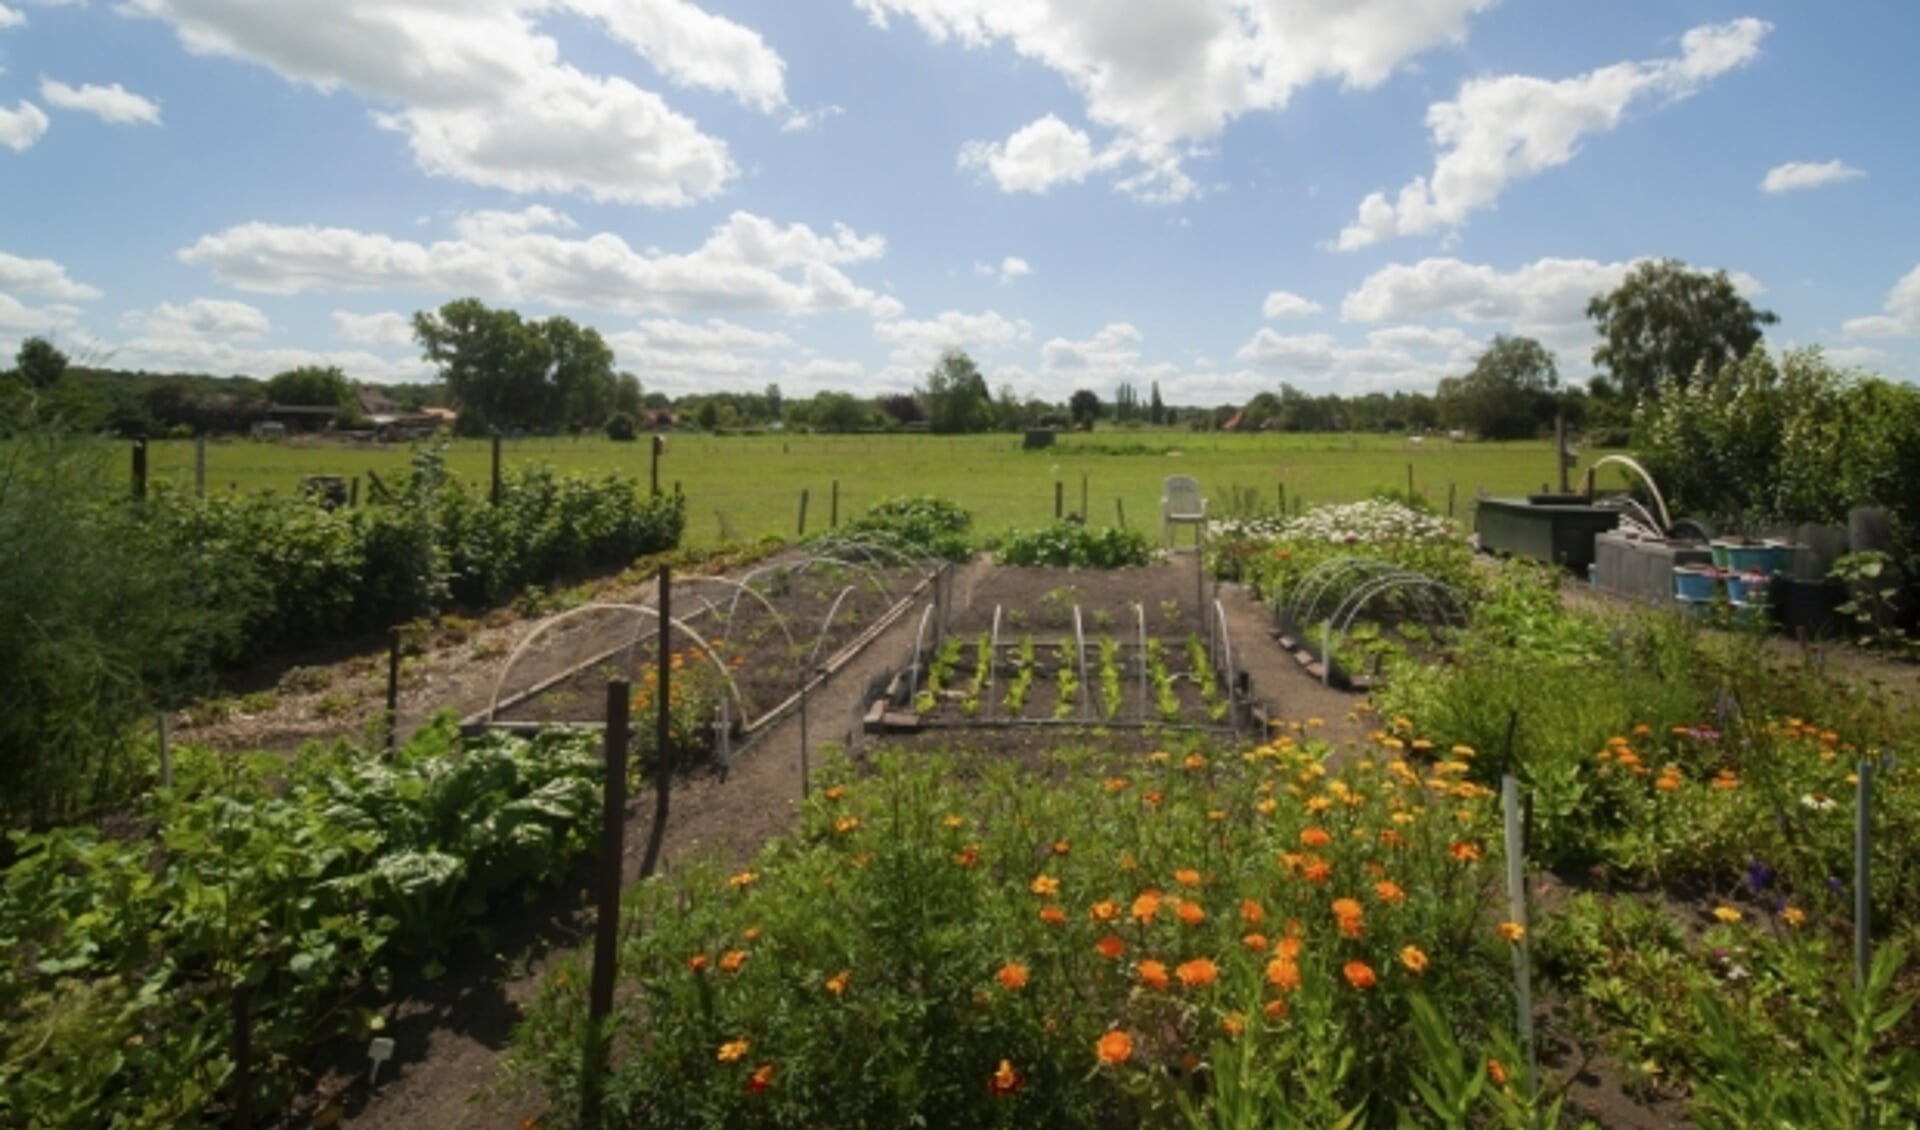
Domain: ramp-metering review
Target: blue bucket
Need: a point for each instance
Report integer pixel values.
(1693, 582)
(1747, 588)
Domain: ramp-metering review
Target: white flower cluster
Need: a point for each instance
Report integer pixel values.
(1369, 521)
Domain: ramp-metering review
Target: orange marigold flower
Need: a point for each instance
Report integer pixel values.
(1347, 908)
(1465, 852)
(1152, 974)
(1255, 942)
(1053, 916)
(1111, 947)
(1146, 907)
(1004, 1080)
(743, 879)
(1252, 913)
(1389, 892)
(1283, 975)
(1195, 761)
(1012, 976)
(1727, 779)
(1497, 1072)
(699, 962)
(1512, 931)
(1316, 871)
(1106, 910)
(1413, 958)
(1275, 1009)
(1266, 806)
(1315, 837)
(733, 1051)
(1390, 837)
(1289, 947)
(1152, 799)
(956, 821)
(1115, 1047)
(1198, 973)
(846, 824)
(1192, 913)
(761, 1079)
(1060, 847)
(1187, 877)
(837, 984)
(968, 855)
(1358, 974)
(1045, 885)
(1726, 914)
(1794, 916)
(732, 960)
(1233, 1023)
(1117, 784)
(751, 933)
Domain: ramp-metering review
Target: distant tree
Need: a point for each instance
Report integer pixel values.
(39, 364)
(1156, 408)
(1667, 322)
(312, 386)
(1511, 387)
(957, 396)
(1008, 413)
(579, 379)
(495, 365)
(902, 407)
(707, 418)
(775, 401)
(1084, 408)
(620, 428)
(626, 395)
(838, 412)
(1260, 413)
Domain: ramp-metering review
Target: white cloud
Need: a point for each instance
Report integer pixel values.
(1855, 356)
(1900, 315)
(1422, 339)
(1164, 74)
(200, 318)
(17, 319)
(746, 263)
(11, 18)
(42, 278)
(184, 353)
(714, 333)
(114, 104)
(1037, 157)
(1116, 346)
(1010, 269)
(676, 357)
(1796, 175)
(1510, 127)
(387, 328)
(1286, 304)
(483, 97)
(21, 127)
(919, 343)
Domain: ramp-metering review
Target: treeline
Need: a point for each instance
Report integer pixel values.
(1664, 324)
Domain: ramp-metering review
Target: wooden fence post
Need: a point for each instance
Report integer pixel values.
(606, 927)
(496, 469)
(803, 511)
(663, 729)
(139, 470)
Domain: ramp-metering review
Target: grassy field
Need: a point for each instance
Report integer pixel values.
(751, 485)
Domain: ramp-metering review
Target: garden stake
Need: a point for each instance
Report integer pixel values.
(606, 926)
(1862, 866)
(393, 693)
(663, 723)
(1517, 912)
(833, 508)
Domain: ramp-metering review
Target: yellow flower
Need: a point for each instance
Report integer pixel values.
(1512, 931)
(836, 792)
(837, 984)
(956, 821)
(1233, 1023)
(733, 1051)
(1187, 877)
(1726, 914)
(732, 960)
(1413, 959)
(1044, 885)
(743, 879)
(846, 824)
(1060, 847)
(1794, 916)
(1106, 910)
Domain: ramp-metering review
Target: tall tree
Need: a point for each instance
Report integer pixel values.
(1667, 322)
(494, 364)
(39, 363)
(957, 396)
(1156, 408)
(580, 381)
(1084, 408)
(1510, 388)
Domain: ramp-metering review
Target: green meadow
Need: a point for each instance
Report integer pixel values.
(750, 486)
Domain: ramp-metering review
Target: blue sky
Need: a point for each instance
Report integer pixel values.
(1218, 195)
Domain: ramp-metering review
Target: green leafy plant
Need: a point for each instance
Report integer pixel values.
(1070, 545)
(1067, 677)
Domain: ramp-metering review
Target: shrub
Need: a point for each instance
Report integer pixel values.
(620, 428)
(919, 524)
(1071, 545)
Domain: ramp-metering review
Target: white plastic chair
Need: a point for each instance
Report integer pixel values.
(1182, 504)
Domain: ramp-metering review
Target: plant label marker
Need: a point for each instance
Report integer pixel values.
(1517, 912)
(379, 1051)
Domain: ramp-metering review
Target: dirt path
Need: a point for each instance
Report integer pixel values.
(449, 1042)
(1277, 678)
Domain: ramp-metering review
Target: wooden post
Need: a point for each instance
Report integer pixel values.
(1120, 511)
(1560, 448)
(1083, 497)
(139, 470)
(242, 1061)
(1059, 500)
(606, 926)
(353, 492)
(1409, 482)
(1450, 494)
(833, 508)
(803, 511)
(200, 466)
(393, 692)
(663, 729)
(1589, 484)
(659, 445)
(496, 469)
(1280, 490)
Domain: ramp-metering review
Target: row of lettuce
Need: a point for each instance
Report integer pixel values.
(308, 885)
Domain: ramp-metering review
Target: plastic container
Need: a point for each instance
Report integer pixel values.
(1780, 557)
(1742, 557)
(1747, 588)
(1694, 582)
